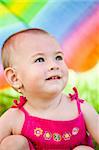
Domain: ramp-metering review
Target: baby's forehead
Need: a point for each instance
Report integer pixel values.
(36, 38)
(19, 39)
(30, 41)
(26, 37)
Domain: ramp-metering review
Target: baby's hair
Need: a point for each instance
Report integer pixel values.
(8, 46)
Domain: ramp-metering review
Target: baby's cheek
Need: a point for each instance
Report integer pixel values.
(66, 74)
(65, 71)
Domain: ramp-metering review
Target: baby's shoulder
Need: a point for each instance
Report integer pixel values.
(88, 111)
(12, 112)
(11, 121)
(86, 107)
(12, 116)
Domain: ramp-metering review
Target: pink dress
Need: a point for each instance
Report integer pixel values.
(44, 134)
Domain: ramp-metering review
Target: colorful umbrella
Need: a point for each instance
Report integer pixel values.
(75, 24)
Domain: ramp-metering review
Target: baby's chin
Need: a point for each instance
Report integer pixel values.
(54, 89)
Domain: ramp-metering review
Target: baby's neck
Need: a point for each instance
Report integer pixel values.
(42, 105)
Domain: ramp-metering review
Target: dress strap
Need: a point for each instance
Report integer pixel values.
(19, 105)
(75, 97)
(21, 102)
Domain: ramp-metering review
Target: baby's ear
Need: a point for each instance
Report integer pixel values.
(11, 77)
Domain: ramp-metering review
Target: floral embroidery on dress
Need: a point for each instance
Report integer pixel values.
(75, 131)
(57, 137)
(47, 135)
(38, 132)
(66, 136)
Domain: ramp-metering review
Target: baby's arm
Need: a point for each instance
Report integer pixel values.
(82, 147)
(6, 121)
(15, 142)
(91, 120)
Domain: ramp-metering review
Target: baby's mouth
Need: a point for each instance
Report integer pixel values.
(54, 78)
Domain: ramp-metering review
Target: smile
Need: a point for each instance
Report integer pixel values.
(54, 78)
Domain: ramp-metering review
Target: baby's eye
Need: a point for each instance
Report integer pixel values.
(41, 59)
(59, 57)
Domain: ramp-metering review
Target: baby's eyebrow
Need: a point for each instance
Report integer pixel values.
(42, 54)
(37, 54)
(59, 52)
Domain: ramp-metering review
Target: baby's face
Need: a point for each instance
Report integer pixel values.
(40, 65)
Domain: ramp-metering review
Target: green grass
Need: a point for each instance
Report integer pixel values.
(6, 99)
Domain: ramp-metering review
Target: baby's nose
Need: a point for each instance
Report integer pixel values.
(53, 66)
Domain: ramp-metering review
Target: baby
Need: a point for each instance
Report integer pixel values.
(44, 118)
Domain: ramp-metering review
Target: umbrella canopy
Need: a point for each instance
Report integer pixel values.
(75, 24)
